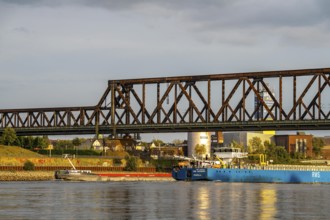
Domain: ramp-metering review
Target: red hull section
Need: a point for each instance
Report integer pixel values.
(136, 174)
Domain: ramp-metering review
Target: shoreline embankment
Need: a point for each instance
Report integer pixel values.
(26, 175)
(110, 176)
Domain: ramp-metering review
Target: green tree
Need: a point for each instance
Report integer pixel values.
(318, 144)
(235, 144)
(76, 142)
(63, 144)
(200, 149)
(282, 155)
(28, 142)
(8, 136)
(270, 148)
(131, 163)
(39, 142)
(268, 144)
(256, 146)
(19, 141)
(276, 153)
(46, 140)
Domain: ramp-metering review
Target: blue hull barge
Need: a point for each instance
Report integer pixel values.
(267, 174)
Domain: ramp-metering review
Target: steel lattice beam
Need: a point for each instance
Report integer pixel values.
(298, 100)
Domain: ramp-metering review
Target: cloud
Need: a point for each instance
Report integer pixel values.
(160, 37)
(244, 23)
(241, 23)
(213, 13)
(23, 30)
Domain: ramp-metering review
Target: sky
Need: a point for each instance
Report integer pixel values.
(62, 53)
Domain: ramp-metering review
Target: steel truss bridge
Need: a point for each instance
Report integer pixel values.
(297, 100)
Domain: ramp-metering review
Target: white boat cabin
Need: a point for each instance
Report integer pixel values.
(229, 153)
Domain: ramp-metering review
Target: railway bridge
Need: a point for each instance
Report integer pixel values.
(251, 101)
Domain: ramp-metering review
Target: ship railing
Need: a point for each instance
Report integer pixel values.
(275, 167)
(291, 167)
(283, 167)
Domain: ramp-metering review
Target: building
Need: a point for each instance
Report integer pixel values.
(165, 151)
(243, 138)
(199, 138)
(121, 144)
(267, 99)
(217, 140)
(300, 143)
(262, 112)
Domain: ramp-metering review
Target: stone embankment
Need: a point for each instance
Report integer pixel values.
(26, 175)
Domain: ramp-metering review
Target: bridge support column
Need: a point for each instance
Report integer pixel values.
(113, 110)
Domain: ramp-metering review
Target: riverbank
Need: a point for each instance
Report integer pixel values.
(26, 175)
(115, 176)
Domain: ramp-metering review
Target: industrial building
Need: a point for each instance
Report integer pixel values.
(300, 143)
(199, 138)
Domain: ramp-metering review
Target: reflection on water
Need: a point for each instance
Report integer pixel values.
(203, 202)
(267, 202)
(162, 200)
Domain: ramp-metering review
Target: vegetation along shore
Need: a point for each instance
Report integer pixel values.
(26, 175)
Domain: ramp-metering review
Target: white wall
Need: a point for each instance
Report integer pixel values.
(200, 138)
(244, 137)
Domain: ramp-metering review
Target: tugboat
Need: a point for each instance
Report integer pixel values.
(76, 175)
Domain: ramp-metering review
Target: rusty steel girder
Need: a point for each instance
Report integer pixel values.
(276, 100)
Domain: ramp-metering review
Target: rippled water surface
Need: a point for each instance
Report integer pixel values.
(163, 200)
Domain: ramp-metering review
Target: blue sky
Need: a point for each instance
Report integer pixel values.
(61, 53)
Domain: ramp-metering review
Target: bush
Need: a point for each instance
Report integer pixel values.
(131, 164)
(8, 136)
(117, 161)
(28, 165)
(164, 165)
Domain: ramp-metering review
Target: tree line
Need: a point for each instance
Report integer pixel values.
(9, 138)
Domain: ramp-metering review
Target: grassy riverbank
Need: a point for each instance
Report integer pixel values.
(13, 159)
(13, 151)
(26, 175)
(17, 156)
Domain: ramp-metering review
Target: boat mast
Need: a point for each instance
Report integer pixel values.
(66, 156)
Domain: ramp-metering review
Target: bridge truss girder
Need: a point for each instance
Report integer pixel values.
(297, 100)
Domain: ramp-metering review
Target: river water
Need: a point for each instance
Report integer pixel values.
(163, 200)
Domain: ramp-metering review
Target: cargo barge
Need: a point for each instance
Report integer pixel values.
(224, 170)
(269, 174)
